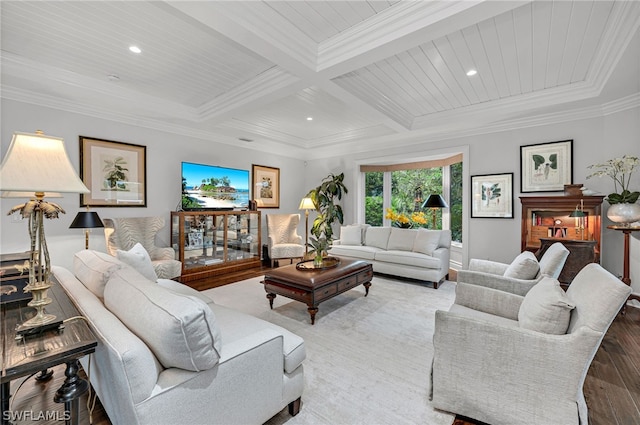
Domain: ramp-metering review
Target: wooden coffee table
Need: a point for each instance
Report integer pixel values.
(315, 286)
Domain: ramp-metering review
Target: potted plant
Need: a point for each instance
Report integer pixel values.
(623, 209)
(324, 198)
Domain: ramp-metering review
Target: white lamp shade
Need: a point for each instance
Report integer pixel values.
(9, 194)
(307, 204)
(38, 163)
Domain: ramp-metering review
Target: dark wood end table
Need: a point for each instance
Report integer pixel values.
(315, 286)
(30, 355)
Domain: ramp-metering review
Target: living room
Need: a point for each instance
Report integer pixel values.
(601, 114)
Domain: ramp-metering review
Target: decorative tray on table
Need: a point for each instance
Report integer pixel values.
(327, 263)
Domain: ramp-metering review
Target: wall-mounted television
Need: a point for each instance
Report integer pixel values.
(210, 187)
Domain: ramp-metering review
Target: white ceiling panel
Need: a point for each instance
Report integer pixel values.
(364, 70)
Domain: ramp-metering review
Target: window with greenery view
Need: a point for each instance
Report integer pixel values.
(409, 189)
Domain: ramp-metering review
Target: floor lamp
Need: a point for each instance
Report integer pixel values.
(38, 164)
(434, 201)
(86, 220)
(306, 204)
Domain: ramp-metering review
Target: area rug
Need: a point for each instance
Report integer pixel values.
(368, 358)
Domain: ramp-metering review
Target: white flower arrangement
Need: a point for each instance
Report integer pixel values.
(620, 171)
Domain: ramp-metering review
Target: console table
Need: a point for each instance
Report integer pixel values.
(29, 355)
(625, 268)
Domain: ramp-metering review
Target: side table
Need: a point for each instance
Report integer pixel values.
(626, 231)
(33, 354)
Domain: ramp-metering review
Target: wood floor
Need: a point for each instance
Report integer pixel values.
(612, 386)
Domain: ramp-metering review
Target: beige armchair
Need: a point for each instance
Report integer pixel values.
(283, 241)
(490, 364)
(500, 276)
(124, 233)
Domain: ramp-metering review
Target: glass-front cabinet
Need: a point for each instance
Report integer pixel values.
(214, 242)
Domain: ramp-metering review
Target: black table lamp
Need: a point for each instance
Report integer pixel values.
(86, 220)
(434, 201)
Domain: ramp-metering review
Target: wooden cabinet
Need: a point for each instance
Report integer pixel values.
(546, 220)
(210, 243)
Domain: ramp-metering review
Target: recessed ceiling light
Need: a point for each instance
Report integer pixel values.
(309, 118)
(135, 49)
(471, 72)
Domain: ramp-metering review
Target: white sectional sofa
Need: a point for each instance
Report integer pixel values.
(168, 354)
(412, 253)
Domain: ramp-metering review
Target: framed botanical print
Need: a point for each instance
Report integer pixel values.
(546, 167)
(492, 196)
(266, 186)
(114, 172)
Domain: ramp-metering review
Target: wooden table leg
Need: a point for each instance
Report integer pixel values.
(366, 288)
(70, 392)
(312, 312)
(271, 297)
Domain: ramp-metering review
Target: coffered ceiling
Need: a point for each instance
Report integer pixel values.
(365, 71)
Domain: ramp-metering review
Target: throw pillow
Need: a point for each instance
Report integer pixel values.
(350, 235)
(524, 266)
(377, 236)
(546, 308)
(401, 239)
(138, 258)
(426, 241)
(94, 269)
(180, 329)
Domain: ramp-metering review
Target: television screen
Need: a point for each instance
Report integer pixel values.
(213, 187)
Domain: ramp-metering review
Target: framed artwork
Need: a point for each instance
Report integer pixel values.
(546, 167)
(266, 186)
(492, 196)
(114, 172)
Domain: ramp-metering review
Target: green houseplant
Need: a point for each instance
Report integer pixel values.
(324, 198)
(623, 209)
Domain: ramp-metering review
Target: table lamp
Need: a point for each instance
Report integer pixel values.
(86, 220)
(579, 216)
(38, 164)
(306, 204)
(434, 201)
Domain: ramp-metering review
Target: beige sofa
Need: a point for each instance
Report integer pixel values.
(168, 354)
(420, 254)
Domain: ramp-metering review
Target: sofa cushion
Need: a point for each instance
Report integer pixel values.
(546, 308)
(401, 239)
(408, 258)
(94, 269)
(350, 235)
(524, 266)
(138, 258)
(427, 241)
(238, 325)
(357, 251)
(377, 236)
(180, 329)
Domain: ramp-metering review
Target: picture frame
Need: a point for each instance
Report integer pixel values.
(114, 172)
(492, 196)
(265, 182)
(546, 167)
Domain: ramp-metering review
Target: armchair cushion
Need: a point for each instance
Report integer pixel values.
(553, 259)
(94, 269)
(546, 308)
(524, 266)
(138, 258)
(180, 329)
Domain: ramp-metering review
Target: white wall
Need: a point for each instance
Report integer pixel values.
(594, 140)
(165, 151)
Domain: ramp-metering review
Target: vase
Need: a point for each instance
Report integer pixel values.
(624, 214)
(317, 261)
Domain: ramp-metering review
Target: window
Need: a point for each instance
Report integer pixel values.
(400, 189)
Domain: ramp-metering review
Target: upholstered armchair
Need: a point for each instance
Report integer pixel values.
(283, 241)
(519, 276)
(124, 233)
(501, 358)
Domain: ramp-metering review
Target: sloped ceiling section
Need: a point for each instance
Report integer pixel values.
(364, 71)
